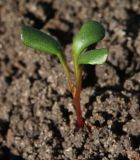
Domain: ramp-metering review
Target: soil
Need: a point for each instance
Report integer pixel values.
(37, 119)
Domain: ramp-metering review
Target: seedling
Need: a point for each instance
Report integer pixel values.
(90, 33)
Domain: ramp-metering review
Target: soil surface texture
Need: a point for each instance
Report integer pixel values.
(37, 118)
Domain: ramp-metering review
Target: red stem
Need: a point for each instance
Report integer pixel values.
(76, 99)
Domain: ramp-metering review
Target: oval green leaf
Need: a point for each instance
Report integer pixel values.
(93, 57)
(41, 41)
(90, 33)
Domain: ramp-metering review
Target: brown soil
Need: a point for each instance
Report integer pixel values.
(37, 119)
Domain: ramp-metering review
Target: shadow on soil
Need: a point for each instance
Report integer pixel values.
(5, 154)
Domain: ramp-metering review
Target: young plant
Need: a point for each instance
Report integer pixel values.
(90, 33)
